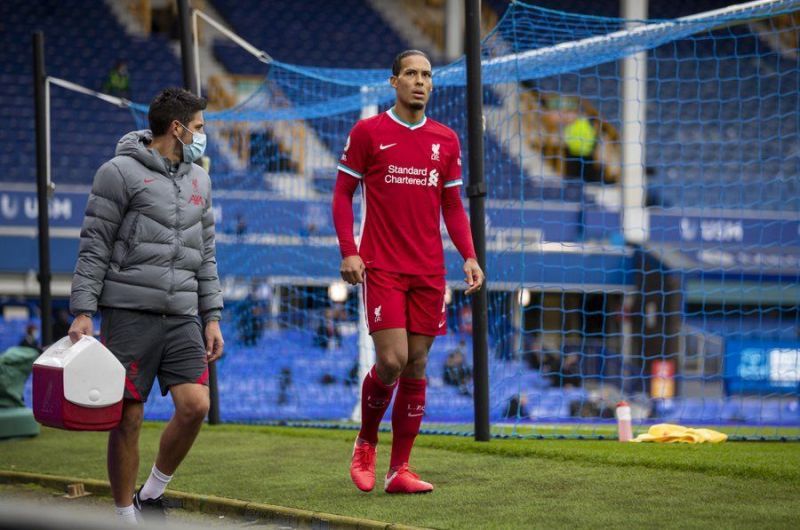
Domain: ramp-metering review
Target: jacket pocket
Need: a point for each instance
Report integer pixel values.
(130, 241)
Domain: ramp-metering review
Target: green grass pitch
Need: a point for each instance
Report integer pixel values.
(499, 484)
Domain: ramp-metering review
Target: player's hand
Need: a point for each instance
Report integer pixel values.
(214, 342)
(352, 270)
(82, 325)
(474, 277)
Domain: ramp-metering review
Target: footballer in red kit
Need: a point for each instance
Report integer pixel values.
(409, 169)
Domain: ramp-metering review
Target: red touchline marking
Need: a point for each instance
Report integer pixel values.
(148, 181)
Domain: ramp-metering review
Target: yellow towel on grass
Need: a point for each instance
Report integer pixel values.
(668, 433)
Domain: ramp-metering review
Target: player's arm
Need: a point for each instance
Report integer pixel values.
(352, 268)
(108, 202)
(209, 290)
(351, 169)
(455, 219)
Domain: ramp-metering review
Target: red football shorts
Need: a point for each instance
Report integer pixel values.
(412, 302)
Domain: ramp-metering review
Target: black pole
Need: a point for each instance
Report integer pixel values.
(187, 47)
(190, 83)
(39, 95)
(476, 191)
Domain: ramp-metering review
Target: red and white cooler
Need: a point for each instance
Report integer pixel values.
(78, 386)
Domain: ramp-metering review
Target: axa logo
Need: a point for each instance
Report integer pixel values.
(435, 151)
(377, 313)
(433, 179)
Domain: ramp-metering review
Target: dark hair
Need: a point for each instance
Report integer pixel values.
(402, 55)
(173, 104)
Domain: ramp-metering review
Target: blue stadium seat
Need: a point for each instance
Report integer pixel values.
(710, 101)
(343, 24)
(73, 30)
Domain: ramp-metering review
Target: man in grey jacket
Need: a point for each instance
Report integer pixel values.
(147, 263)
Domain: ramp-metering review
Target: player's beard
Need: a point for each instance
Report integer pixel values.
(416, 105)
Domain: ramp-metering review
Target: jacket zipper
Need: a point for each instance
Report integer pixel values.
(175, 234)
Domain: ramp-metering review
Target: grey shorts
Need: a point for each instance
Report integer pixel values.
(149, 345)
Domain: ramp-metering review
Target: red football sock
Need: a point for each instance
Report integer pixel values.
(375, 399)
(409, 407)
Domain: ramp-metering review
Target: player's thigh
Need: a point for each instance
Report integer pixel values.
(418, 346)
(184, 360)
(391, 348)
(135, 338)
(427, 312)
(191, 399)
(384, 300)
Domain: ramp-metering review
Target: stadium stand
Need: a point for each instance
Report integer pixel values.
(295, 29)
(87, 129)
(700, 163)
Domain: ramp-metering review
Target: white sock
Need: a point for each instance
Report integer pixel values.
(126, 515)
(155, 485)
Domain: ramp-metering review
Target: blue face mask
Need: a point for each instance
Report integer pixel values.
(194, 150)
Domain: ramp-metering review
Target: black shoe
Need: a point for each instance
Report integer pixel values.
(151, 510)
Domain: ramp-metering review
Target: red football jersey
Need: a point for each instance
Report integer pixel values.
(403, 169)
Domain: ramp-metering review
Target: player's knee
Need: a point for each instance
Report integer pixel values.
(417, 365)
(193, 411)
(390, 369)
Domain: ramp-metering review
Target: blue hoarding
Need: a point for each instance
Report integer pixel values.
(536, 244)
(762, 367)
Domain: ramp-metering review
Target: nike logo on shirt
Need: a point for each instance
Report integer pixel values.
(387, 146)
(148, 181)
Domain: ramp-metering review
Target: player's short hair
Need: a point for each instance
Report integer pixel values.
(398, 60)
(173, 104)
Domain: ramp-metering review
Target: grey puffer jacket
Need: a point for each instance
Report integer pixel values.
(147, 240)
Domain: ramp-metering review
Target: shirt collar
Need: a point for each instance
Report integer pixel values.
(404, 123)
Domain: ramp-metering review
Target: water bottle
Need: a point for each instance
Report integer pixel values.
(624, 429)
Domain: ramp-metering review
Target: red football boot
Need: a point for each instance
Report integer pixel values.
(405, 481)
(362, 468)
